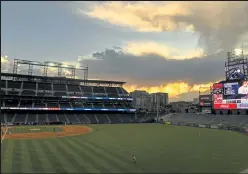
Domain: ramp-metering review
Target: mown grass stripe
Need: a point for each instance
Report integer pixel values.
(16, 157)
(46, 165)
(58, 158)
(26, 162)
(33, 155)
(4, 152)
(105, 158)
(52, 156)
(88, 157)
(118, 156)
(79, 162)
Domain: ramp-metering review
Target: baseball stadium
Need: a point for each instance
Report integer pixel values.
(68, 125)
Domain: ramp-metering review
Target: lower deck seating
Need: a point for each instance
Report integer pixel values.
(114, 118)
(83, 118)
(20, 118)
(92, 118)
(125, 118)
(102, 118)
(72, 118)
(42, 118)
(32, 118)
(52, 118)
(62, 118)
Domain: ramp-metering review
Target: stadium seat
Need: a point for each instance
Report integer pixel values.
(20, 118)
(29, 85)
(99, 89)
(14, 84)
(102, 118)
(86, 89)
(45, 86)
(74, 88)
(59, 87)
(42, 118)
(114, 118)
(83, 118)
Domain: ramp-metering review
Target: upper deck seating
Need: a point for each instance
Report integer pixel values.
(14, 84)
(87, 95)
(26, 103)
(86, 89)
(28, 93)
(99, 89)
(59, 87)
(111, 90)
(52, 105)
(87, 105)
(11, 103)
(97, 105)
(77, 94)
(74, 88)
(45, 86)
(113, 96)
(60, 94)
(13, 92)
(76, 104)
(64, 104)
(39, 105)
(109, 105)
(100, 95)
(29, 85)
(3, 92)
(3, 83)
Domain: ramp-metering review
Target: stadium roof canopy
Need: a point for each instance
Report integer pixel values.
(67, 80)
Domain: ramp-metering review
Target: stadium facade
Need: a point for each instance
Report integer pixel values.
(30, 99)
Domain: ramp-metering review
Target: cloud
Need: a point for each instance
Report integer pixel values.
(143, 48)
(155, 73)
(175, 89)
(152, 69)
(218, 24)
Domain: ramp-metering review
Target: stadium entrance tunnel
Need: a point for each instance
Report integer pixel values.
(35, 132)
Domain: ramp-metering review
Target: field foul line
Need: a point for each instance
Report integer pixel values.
(4, 134)
(244, 171)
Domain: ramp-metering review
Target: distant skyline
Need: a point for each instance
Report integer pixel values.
(173, 47)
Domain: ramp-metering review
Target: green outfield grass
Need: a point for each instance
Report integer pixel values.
(109, 149)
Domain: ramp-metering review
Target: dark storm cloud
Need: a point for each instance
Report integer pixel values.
(155, 70)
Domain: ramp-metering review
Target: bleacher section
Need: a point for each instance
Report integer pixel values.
(211, 119)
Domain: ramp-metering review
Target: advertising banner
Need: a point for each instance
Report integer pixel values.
(226, 106)
(74, 109)
(242, 105)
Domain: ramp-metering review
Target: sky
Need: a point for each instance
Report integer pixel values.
(175, 47)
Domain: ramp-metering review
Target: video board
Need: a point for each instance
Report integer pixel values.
(230, 95)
